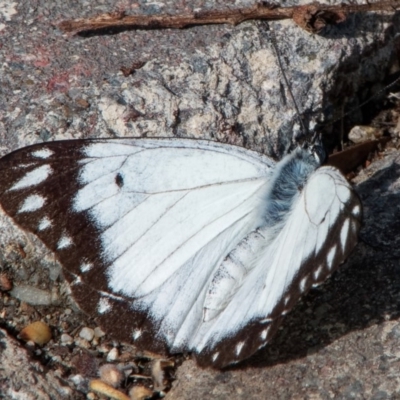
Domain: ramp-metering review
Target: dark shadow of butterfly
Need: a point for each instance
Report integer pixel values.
(184, 245)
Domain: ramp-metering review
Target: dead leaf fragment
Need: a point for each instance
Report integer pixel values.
(349, 159)
(312, 19)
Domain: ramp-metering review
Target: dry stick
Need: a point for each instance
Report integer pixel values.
(311, 17)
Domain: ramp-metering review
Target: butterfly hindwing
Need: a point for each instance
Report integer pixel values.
(317, 237)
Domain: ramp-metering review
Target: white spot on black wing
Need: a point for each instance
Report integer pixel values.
(262, 345)
(136, 334)
(331, 256)
(344, 233)
(104, 305)
(303, 284)
(356, 211)
(317, 273)
(44, 223)
(64, 242)
(287, 298)
(42, 153)
(32, 203)
(85, 267)
(23, 166)
(33, 178)
(77, 280)
(264, 333)
(239, 348)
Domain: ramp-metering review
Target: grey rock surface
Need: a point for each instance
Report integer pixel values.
(24, 379)
(221, 83)
(216, 82)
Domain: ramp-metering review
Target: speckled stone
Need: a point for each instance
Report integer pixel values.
(98, 332)
(28, 379)
(32, 295)
(112, 354)
(87, 334)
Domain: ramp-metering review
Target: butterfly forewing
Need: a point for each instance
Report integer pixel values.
(151, 232)
(58, 191)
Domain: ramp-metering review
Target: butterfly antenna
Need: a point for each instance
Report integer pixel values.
(275, 46)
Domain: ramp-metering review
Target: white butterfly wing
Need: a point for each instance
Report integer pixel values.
(158, 237)
(139, 225)
(320, 231)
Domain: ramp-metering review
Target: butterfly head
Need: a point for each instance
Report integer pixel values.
(316, 149)
(319, 153)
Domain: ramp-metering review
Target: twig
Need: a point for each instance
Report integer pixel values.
(312, 17)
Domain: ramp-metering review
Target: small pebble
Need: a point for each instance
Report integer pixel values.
(5, 282)
(103, 348)
(82, 103)
(25, 307)
(66, 339)
(37, 332)
(82, 343)
(32, 295)
(77, 380)
(55, 271)
(113, 354)
(98, 332)
(87, 334)
(111, 374)
(361, 134)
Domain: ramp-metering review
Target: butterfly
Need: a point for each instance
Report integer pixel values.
(182, 245)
